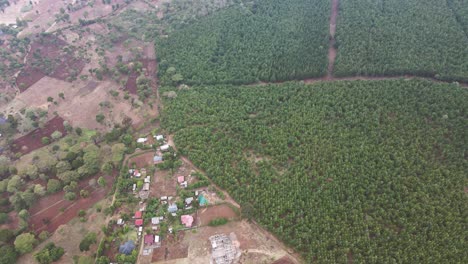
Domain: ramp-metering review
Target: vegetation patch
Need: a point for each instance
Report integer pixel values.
(354, 167)
(398, 37)
(245, 43)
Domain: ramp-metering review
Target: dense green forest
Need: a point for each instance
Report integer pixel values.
(396, 37)
(372, 171)
(269, 40)
(460, 10)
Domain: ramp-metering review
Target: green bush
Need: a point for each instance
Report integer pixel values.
(218, 221)
(87, 241)
(49, 254)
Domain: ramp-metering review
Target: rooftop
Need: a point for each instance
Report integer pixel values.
(139, 222)
(186, 220)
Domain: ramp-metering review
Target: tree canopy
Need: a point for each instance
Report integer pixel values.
(372, 169)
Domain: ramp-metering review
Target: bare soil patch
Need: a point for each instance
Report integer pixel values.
(255, 244)
(47, 57)
(284, 260)
(52, 211)
(32, 141)
(170, 252)
(163, 184)
(208, 214)
(149, 66)
(142, 161)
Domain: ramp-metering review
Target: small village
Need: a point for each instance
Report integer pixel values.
(159, 216)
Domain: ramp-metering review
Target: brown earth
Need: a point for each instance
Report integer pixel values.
(170, 252)
(205, 215)
(50, 207)
(62, 63)
(142, 161)
(284, 260)
(32, 141)
(163, 184)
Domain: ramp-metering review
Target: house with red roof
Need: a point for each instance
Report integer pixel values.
(138, 214)
(187, 220)
(180, 179)
(149, 240)
(139, 222)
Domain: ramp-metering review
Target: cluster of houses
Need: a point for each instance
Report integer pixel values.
(151, 241)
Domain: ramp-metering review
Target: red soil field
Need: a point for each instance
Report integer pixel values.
(49, 207)
(150, 66)
(48, 48)
(131, 85)
(32, 141)
(206, 215)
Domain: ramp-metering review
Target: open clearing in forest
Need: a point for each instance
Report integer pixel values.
(52, 211)
(32, 141)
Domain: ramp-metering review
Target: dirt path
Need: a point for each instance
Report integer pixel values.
(332, 41)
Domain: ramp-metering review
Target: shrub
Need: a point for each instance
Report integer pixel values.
(49, 254)
(70, 196)
(100, 118)
(45, 140)
(25, 243)
(218, 221)
(87, 241)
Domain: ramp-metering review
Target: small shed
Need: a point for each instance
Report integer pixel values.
(120, 221)
(189, 200)
(146, 187)
(142, 140)
(155, 220)
(180, 179)
(165, 147)
(172, 208)
(148, 179)
(159, 137)
(202, 200)
(157, 159)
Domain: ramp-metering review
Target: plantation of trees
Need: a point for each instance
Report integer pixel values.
(372, 171)
(397, 37)
(269, 40)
